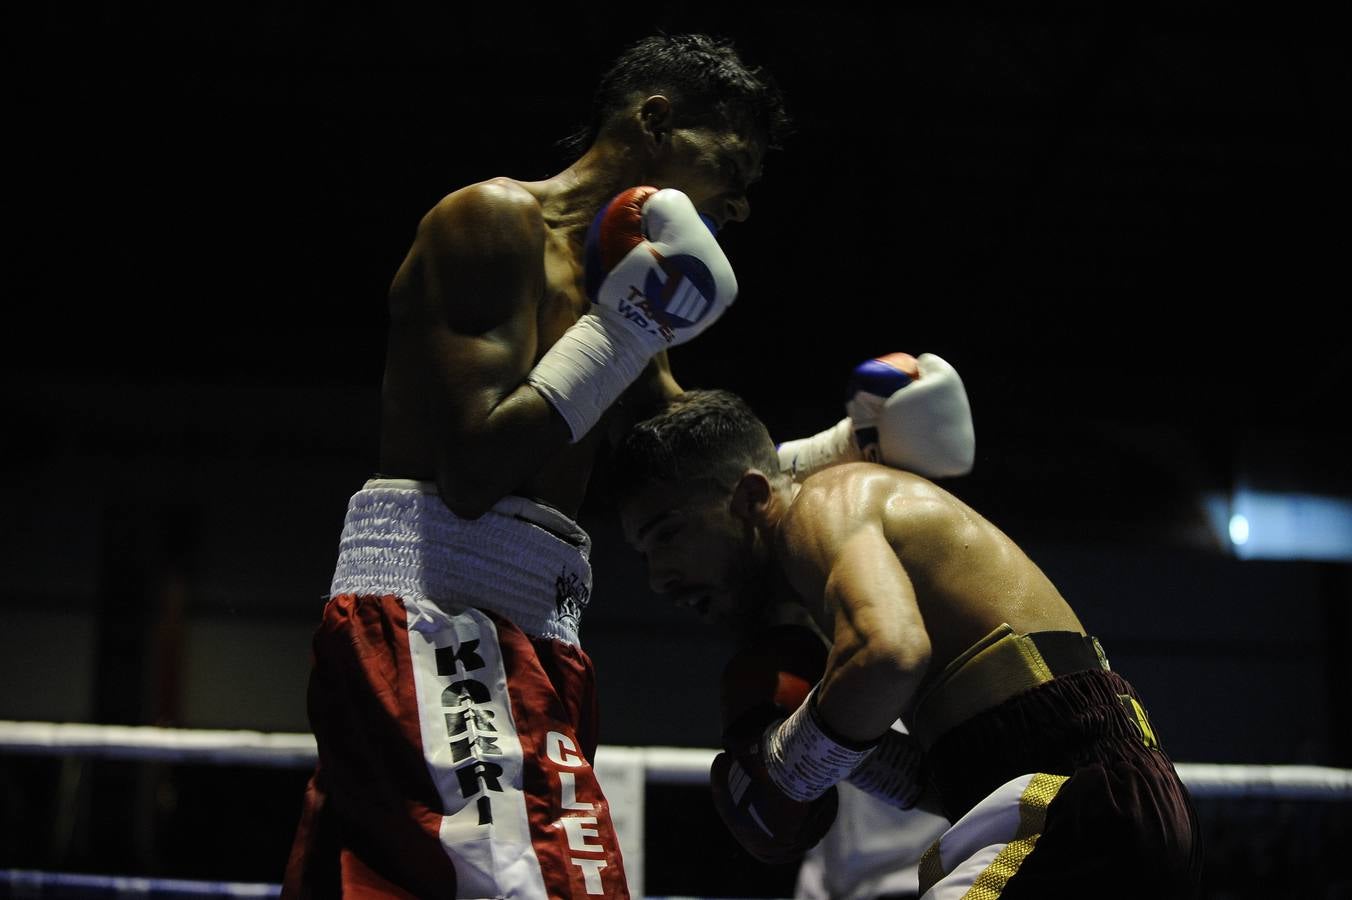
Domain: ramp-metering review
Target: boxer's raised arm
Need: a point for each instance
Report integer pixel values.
(501, 403)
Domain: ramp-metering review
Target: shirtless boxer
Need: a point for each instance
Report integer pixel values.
(1019, 733)
(452, 704)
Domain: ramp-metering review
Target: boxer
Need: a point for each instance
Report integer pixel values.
(450, 697)
(957, 675)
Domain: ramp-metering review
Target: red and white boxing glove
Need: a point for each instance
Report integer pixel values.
(764, 682)
(653, 265)
(762, 686)
(769, 825)
(769, 677)
(657, 278)
(906, 412)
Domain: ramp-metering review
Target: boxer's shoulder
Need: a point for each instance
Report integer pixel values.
(477, 259)
(836, 502)
(494, 216)
(857, 490)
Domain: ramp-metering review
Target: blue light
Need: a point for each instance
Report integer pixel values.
(1270, 525)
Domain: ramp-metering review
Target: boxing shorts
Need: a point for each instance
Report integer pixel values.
(1053, 776)
(454, 709)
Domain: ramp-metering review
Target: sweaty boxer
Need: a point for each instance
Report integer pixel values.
(953, 671)
(450, 697)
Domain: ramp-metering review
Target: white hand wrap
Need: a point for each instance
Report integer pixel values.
(804, 456)
(587, 369)
(892, 772)
(802, 759)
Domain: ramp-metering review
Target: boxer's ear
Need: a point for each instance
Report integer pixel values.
(751, 497)
(654, 117)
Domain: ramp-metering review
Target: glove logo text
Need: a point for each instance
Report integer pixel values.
(684, 289)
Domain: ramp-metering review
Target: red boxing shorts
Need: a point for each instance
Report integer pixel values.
(454, 710)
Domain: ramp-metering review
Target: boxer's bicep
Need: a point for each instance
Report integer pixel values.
(481, 264)
(483, 276)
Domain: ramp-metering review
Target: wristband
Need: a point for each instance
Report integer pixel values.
(892, 772)
(837, 444)
(587, 369)
(803, 760)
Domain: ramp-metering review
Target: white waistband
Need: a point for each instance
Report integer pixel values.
(523, 560)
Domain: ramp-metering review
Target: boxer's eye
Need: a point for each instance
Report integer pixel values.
(667, 532)
(733, 173)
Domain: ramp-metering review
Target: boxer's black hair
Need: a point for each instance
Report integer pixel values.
(704, 75)
(700, 439)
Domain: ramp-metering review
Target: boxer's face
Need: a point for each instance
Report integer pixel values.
(698, 553)
(714, 167)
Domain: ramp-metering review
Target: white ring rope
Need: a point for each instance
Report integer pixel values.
(661, 765)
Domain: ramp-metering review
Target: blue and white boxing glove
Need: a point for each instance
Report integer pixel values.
(906, 412)
(871, 384)
(657, 278)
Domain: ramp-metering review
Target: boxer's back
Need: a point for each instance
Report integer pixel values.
(968, 576)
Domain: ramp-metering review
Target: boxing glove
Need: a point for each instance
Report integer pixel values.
(657, 278)
(912, 413)
(654, 268)
(769, 677)
(764, 682)
(769, 825)
(906, 412)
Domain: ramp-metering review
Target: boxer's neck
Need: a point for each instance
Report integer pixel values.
(572, 197)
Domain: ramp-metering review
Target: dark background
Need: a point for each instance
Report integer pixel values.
(1126, 228)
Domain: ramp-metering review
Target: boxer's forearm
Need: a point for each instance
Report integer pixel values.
(492, 455)
(880, 649)
(866, 687)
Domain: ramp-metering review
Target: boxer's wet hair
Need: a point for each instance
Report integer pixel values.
(705, 76)
(700, 440)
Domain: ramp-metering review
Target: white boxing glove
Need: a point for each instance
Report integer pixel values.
(925, 425)
(657, 278)
(654, 266)
(872, 383)
(906, 412)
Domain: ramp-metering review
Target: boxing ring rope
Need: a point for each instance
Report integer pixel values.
(661, 765)
(624, 771)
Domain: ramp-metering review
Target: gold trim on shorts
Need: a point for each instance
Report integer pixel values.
(995, 668)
